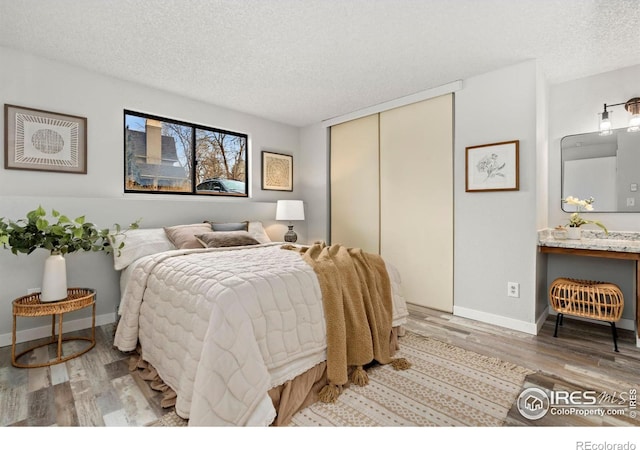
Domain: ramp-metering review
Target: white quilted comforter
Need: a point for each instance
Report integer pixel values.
(223, 326)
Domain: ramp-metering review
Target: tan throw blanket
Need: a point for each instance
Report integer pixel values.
(357, 303)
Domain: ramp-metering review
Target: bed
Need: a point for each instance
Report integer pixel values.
(237, 330)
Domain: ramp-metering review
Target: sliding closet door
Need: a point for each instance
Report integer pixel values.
(416, 203)
(355, 195)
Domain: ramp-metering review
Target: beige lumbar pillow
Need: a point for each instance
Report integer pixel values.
(184, 236)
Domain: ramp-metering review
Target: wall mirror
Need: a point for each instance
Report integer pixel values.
(605, 167)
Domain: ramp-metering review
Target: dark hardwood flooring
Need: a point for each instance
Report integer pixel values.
(98, 390)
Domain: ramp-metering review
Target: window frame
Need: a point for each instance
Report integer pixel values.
(194, 161)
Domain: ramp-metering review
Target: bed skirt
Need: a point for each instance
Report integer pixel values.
(288, 398)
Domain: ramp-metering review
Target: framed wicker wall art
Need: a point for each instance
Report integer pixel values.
(277, 172)
(43, 140)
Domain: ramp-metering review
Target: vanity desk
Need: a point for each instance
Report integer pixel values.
(615, 245)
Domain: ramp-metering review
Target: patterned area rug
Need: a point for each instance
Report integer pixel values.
(169, 420)
(445, 386)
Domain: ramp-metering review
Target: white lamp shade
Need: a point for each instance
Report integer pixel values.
(605, 121)
(290, 210)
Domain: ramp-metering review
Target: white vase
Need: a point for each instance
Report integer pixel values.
(54, 280)
(573, 233)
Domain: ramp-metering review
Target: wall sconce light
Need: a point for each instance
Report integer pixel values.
(631, 105)
(290, 210)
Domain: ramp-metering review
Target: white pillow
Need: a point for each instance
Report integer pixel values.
(257, 231)
(138, 243)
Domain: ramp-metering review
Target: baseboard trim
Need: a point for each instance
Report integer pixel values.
(492, 319)
(526, 327)
(419, 309)
(31, 334)
(501, 321)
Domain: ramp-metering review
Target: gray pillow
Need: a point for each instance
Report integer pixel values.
(230, 226)
(226, 239)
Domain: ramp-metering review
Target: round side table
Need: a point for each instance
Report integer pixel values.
(31, 306)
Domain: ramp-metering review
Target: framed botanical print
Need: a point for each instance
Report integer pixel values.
(492, 167)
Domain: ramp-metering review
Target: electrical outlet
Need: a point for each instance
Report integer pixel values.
(513, 289)
(33, 291)
(631, 201)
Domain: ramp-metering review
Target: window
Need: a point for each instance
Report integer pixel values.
(171, 157)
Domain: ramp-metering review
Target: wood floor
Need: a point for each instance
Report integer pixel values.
(97, 389)
(580, 359)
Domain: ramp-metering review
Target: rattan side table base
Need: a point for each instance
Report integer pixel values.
(31, 306)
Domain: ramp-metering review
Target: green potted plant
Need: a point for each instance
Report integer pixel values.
(59, 235)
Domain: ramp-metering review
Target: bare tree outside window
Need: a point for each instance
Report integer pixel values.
(220, 155)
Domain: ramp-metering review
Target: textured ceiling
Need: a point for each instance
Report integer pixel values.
(303, 61)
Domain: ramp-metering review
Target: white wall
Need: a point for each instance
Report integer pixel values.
(495, 232)
(573, 109)
(314, 164)
(39, 83)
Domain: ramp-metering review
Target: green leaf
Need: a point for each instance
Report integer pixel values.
(42, 224)
(79, 220)
(57, 230)
(32, 216)
(595, 222)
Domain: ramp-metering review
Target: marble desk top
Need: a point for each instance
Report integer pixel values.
(615, 241)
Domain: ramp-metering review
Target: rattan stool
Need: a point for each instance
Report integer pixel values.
(595, 300)
(31, 306)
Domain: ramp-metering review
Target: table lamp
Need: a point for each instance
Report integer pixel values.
(290, 210)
